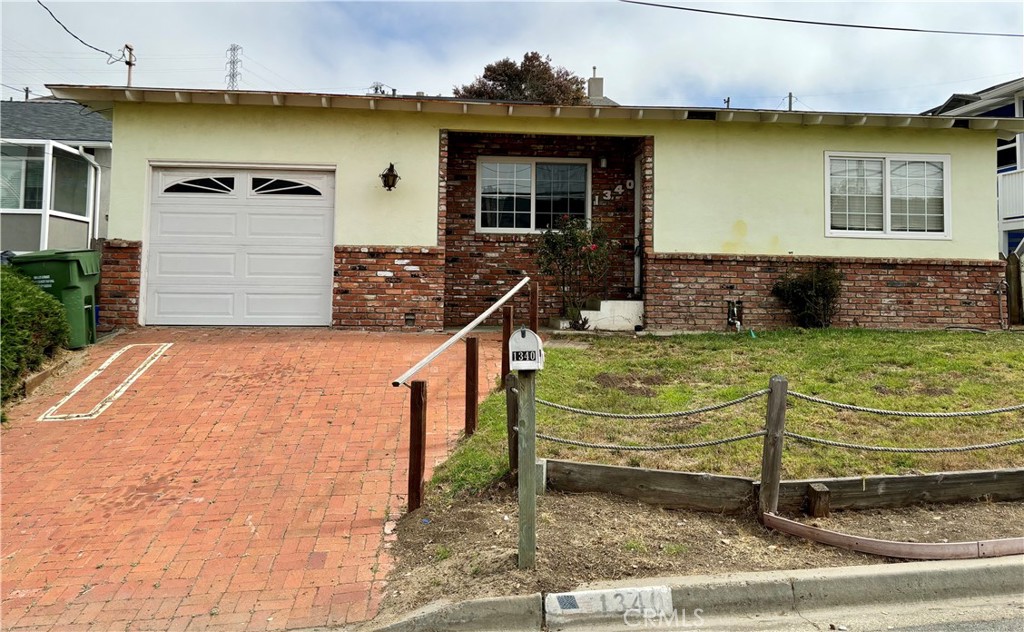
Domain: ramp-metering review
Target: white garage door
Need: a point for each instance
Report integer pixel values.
(240, 247)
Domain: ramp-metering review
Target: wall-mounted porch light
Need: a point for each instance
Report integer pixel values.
(389, 178)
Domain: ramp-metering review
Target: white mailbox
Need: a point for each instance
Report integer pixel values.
(525, 351)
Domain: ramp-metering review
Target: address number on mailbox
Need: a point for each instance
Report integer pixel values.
(526, 353)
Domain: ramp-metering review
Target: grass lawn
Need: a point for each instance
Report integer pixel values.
(923, 371)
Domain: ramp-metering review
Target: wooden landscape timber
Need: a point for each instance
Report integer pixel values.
(876, 492)
(901, 550)
(734, 494)
(676, 490)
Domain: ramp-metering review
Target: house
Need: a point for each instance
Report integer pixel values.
(266, 208)
(55, 175)
(1005, 100)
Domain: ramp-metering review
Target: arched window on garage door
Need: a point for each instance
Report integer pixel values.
(221, 184)
(280, 186)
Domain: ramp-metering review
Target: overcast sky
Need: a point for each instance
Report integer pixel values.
(647, 55)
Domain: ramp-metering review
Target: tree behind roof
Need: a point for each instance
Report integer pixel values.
(533, 80)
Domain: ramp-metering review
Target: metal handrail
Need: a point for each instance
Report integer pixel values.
(399, 381)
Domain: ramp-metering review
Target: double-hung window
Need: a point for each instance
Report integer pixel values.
(887, 195)
(519, 195)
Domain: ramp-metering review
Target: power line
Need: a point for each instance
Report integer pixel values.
(804, 104)
(271, 71)
(814, 23)
(20, 89)
(100, 50)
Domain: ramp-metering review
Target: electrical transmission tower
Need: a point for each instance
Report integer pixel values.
(233, 65)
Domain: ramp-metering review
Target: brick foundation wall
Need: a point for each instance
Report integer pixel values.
(481, 267)
(689, 292)
(376, 288)
(120, 282)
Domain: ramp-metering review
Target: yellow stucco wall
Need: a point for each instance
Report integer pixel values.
(761, 189)
(719, 187)
(358, 145)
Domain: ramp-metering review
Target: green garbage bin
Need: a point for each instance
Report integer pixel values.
(71, 277)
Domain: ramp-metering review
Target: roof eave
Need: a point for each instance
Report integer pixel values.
(104, 97)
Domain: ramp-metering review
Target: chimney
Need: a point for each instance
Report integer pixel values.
(595, 85)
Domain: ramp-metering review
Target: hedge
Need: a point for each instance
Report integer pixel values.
(33, 326)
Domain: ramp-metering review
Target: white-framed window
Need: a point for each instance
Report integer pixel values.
(21, 177)
(48, 185)
(522, 195)
(896, 196)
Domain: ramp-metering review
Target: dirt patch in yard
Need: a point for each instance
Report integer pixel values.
(632, 384)
(467, 549)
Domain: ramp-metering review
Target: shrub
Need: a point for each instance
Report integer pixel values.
(33, 326)
(578, 257)
(812, 297)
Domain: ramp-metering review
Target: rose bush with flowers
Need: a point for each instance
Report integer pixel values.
(578, 256)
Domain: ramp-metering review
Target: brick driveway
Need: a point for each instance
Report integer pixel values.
(242, 483)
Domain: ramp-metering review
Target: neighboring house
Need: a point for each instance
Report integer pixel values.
(55, 175)
(266, 208)
(1005, 100)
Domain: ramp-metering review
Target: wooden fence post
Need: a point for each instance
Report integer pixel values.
(819, 500)
(417, 442)
(535, 307)
(472, 383)
(1014, 292)
(527, 471)
(506, 333)
(771, 457)
(512, 420)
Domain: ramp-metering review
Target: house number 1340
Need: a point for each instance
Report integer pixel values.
(608, 194)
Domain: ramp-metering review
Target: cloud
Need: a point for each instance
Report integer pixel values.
(647, 55)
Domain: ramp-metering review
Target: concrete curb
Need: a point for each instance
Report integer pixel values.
(523, 612)
(720, 596)
(772, 592)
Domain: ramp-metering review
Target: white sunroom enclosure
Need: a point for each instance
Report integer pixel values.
(49, 196)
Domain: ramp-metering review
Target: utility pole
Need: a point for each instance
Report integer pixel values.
(27, 91)
(728, 102)
(129, 61)
(790, 101)
(233, 65)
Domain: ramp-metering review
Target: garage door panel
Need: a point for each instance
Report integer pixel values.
(301, 225)
(243, 259)
(190, 304)
(311, 267)
(282, 303)
(178, 224)
(169, 266)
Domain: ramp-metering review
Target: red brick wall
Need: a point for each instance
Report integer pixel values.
(480, 267)
(118, 289)
(375, 288)
(689, 292)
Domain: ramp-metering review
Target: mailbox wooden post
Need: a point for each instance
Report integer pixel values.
(526, 355)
